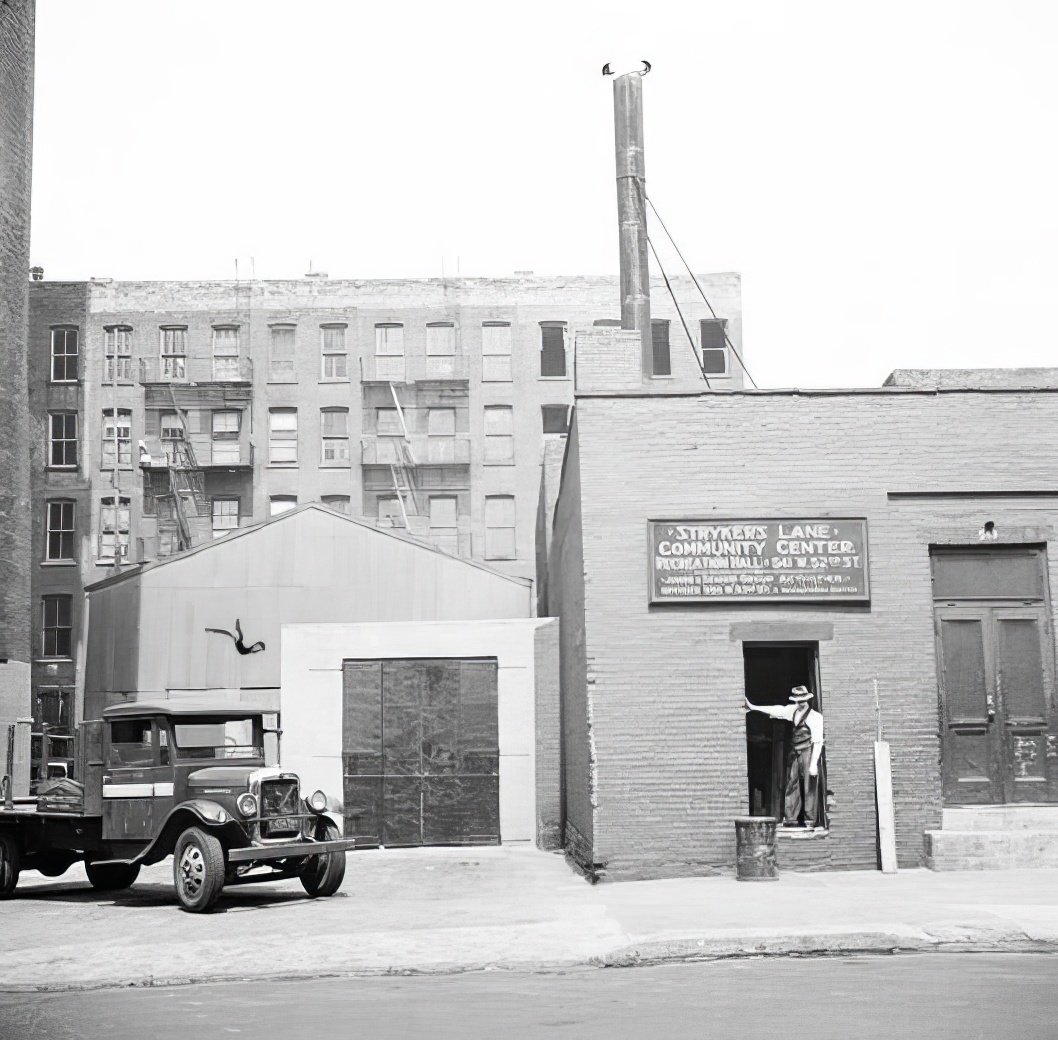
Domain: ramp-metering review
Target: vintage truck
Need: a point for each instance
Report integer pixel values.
(183, 779)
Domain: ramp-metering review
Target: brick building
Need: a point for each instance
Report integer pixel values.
(17, 24)
(710, 546)
(166, 414)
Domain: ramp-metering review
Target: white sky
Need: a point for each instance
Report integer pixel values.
(884, 176)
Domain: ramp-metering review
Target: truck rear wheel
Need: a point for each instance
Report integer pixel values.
(10, 859)
(198, 870)
(111, 877)
(322, 875)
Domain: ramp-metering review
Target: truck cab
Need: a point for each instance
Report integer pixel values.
(186, 779)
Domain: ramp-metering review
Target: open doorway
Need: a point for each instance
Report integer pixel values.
(771, 672)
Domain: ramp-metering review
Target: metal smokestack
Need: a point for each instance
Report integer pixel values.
(631, 209)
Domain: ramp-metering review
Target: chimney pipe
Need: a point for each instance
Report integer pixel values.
(631, 210)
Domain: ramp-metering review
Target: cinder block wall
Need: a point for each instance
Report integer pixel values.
(17, 23)
(666, 746)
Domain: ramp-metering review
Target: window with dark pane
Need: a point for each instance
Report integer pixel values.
(552, 348)
(714, 346)
(659, 336)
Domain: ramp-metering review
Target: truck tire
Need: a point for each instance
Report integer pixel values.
(111, 877)
(10, 860)
(198, 870)
(322, 875)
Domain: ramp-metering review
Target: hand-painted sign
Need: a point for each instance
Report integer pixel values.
(753, 561)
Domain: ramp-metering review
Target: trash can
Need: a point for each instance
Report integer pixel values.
(755, 841)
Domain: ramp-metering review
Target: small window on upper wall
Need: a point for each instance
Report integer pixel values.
(496, 351)
(281, 504)
(662, 362)
(117, 348)
(552, 348)
(332, 346)
(714, 346)
(555, 417)
(339, 503)
(440, 338)
(281, 353)
(64, 355)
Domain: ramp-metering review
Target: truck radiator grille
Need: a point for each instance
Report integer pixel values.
(280, 808)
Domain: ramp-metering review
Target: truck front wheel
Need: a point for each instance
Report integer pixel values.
(322, 875)
(9, 864)
(111, 877)
(198, 870)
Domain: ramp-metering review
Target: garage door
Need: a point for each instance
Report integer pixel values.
(421, 752)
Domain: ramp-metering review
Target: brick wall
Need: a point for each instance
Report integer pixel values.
(666, 746)
(16, 137)
(548, 737)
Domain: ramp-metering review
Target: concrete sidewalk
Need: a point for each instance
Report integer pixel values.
(449, 910)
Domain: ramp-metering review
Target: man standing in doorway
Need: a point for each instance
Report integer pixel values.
(802, 763)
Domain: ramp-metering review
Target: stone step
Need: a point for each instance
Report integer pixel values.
(1001, 818)
(1012, 849)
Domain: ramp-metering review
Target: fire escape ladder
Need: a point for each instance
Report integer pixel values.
(403, 470)
(186, 479)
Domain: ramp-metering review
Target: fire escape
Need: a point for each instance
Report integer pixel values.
(187, 492)
(402, 468)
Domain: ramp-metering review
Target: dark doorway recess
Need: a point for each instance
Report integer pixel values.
(421, 752)
(771, 671)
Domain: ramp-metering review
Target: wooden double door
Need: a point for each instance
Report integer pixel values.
(998, 721)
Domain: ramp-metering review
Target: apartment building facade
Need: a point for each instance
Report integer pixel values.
(167, 414)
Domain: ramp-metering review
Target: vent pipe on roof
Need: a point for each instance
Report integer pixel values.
(631, 208)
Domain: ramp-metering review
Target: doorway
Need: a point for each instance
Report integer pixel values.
(771, 672)
(995, 664)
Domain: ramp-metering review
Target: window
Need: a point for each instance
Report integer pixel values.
(390, 513)
(52, 708)
(499, 527)
(225, 441)
(225, 513)
(661, 360)
(389, 351)
(62, 439)
(334, 428)
(225, 352)
(552, 348)
(387, 423)
(339, 503)
(114, 514)
(440, 338)
(499, 434)
(281, 353)
(281, 504)
(64, 355)
(117, 437)
(174, 351)
(283, 437)
(57, 629)
(332, 343)
(714, 346)
(555, 418)
(172, 432)
(117, 348)
(496, 351)
(443, 532)
(441, 431)
(131, 743)
(60, 531)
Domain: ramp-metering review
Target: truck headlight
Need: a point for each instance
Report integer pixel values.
(317, 801)
(246, 804)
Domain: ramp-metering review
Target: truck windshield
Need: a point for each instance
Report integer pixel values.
(218, 738)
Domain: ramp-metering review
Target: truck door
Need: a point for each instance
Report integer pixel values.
(137, 778)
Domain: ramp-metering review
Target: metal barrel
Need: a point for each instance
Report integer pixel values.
(755, 844)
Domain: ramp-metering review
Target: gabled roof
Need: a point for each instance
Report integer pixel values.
(248, 532)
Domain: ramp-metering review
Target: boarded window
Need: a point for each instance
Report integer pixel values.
(440, 338)
(496, 351)
(500, 543)
(662, 362)
(283, 436)
(988, 574)
(499, 434)
(281, 353)
(334, 428)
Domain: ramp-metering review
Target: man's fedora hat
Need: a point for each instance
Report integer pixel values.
(801, 693)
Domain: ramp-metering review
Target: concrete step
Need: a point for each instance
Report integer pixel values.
(1011, 849)
(1001, 818)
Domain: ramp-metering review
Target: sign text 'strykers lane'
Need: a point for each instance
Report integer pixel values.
(723, 561)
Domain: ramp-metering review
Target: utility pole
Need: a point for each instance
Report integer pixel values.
(631, 209)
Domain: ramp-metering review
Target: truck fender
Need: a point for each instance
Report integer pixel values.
(196, 812)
